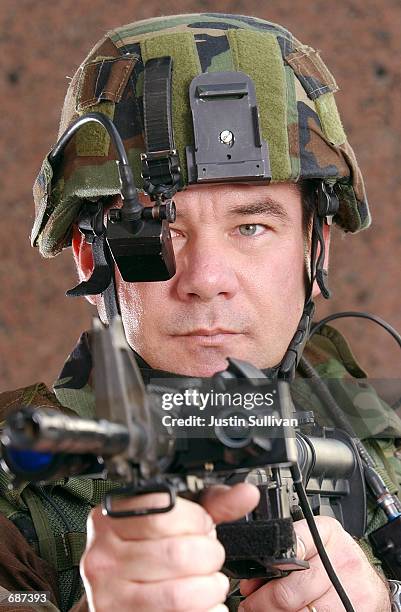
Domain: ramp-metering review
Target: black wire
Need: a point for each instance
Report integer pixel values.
(361, 315)
(131, 204)
(310, 519)
(78, 123)
(340, 420)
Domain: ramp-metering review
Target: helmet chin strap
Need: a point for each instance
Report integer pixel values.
(326, 207)
(110, 297)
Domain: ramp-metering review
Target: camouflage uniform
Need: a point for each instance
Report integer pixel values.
(306, 140)
(328, 352)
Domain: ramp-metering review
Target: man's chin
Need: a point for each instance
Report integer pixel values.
(207, 361)
(205, 370)
(203, 366)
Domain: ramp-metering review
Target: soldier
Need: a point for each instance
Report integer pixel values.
(251, 242)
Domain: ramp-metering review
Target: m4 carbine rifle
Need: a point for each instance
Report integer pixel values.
(129, 442)
(132, 442)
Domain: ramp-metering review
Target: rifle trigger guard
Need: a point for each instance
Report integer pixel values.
(134, 491)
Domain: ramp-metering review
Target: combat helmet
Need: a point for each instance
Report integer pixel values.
(195, 98)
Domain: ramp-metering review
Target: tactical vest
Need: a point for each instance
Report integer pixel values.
(53, 517)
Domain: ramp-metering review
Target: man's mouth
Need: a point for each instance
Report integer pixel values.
(209, 337)
(209, 332)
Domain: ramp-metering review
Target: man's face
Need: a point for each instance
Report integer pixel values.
(239, 287)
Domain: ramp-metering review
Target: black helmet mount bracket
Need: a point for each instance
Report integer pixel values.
(228, 141)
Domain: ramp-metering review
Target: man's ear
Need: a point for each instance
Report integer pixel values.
(82, 252)
(326, 237)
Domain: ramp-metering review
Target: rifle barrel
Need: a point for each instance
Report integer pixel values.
(47, 430)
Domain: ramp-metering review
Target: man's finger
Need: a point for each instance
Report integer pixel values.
(185, 518)
(328, 529)
(290, 593)
(181, 594)
(230, 503)
(169, 558)
(250, 585)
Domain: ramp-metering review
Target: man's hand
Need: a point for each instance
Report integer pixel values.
(168, 561)
(312, 587)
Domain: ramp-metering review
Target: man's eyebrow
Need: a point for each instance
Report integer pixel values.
(267, 206)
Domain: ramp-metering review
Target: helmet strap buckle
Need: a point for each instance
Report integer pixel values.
(327, 207)
(327, 202)
(161, 169)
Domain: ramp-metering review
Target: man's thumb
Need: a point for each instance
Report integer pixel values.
(225, 503)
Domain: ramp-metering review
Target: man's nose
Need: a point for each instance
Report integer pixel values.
(205, 271)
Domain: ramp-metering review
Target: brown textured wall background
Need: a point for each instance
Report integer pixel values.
(41, 43)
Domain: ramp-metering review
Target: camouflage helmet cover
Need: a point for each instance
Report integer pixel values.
(295, 94)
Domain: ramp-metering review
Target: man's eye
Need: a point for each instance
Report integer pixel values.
(251, 229)
(175, 233)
